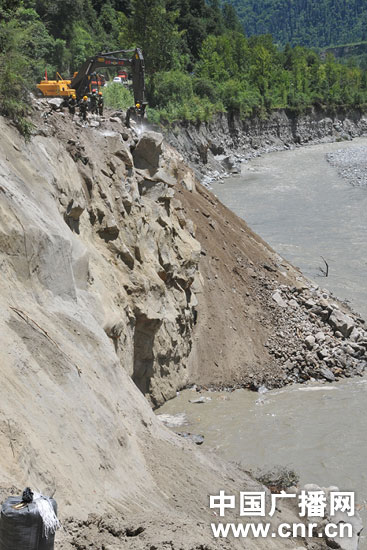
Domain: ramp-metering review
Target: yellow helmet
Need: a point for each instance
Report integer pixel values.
(73, 96)
(85, 98)
(137, 105)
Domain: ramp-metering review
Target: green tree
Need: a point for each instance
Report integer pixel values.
(82, 45)
(154, 29)
(14, 76)
(231, 19)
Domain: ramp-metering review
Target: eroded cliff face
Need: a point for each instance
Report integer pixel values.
(222, 143)
(82, 227)
(97, 268)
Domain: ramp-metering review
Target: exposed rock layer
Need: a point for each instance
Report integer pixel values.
(221, 144)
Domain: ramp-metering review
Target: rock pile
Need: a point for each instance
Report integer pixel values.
(315, 337)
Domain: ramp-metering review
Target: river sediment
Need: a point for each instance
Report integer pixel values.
(351, 164)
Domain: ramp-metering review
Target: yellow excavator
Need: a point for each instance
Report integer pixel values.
(86, 78)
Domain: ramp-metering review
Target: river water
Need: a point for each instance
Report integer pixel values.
(299, 204)
(296, 202)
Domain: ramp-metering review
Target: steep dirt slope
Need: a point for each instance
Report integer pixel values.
(96, 276)
(235, 313)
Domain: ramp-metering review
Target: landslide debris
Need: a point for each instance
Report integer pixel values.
(121, 283)
(260, 321)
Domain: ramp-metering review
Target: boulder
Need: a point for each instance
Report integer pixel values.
(320, 337)
(148, 150)
(197, 439)
(323, 353)
(199, 400)
(124, 154)
(55, 102)
(355, 335)
(340, 322)
(277, 297)
(310, 341)
(327, 374)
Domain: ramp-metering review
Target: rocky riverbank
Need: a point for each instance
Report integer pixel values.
(351, 164)
(319, 340)
(260, 321)
(220, 146)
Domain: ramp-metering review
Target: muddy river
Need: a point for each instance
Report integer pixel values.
(297, 202)
(300, 205)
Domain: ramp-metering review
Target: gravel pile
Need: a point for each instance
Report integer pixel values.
(351, 164)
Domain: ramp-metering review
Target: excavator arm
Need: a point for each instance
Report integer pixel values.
(80, 84)
(81, 81)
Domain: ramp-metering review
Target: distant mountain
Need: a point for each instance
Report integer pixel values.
(306, 22)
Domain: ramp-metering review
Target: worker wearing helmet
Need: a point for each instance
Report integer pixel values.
(93, 102)
(100, 103)
(83, 108)
(72, 104)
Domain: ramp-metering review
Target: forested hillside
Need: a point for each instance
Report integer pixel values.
(305, 22)
(198, 59)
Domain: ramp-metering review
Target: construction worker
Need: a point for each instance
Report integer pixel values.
(93, 102)
(72, 104)
(100, 103)
(83, 108)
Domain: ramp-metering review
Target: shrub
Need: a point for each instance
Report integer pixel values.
(204, 87)
(237, 97)
(118, 96)
(169, 88)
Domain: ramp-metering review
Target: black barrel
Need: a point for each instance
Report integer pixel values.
(22, 528)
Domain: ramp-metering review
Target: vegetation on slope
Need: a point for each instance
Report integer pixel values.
(305, 22)
(198, 60)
